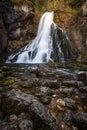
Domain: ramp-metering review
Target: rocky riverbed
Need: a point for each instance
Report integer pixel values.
(43, 97)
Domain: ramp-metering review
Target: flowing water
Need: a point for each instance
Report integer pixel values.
(50, 44)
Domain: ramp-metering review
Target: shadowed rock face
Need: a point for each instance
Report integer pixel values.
(3, 41)
(78, 30)
(18, 19)
(62, 50)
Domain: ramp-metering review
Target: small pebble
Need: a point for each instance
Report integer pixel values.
(59, 108)
(61, 102)
(13, 117)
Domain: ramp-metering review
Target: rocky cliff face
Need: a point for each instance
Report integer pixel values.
(18, 21)
(78, 30)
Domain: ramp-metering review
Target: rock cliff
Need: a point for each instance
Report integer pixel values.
(18, 21)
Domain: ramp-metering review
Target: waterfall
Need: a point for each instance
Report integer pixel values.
(50, 44)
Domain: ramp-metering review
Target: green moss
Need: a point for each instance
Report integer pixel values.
(26, 70)
(84, 54)
(51, 64)
(9, 81)
(1, 23)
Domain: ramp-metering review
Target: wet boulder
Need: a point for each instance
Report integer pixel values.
(72, 83)
(83, 89)
(67, 91)
(25, 125)
(68, 117)
(17, 102)
(51, 83)
(70, 103)
(80, 120)
(44, 94)
(16, 123)
(82, 76)
(83, 97)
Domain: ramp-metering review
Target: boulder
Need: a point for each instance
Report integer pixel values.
(70, 103)
(68, 118)
(80, 120)
(83, 89)
(82, 76)
(67, 91)
(17, 102)
(18, 123)
(73, 83)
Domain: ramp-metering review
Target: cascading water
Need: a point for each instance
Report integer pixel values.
(50, 44)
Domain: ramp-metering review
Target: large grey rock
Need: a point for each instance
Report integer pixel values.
(51, 83)
(80, 120)
(82, 76)
(68, 118)
(17, 102)
(73, 83)
(20, 123)
(67, 91)
(83, 89)
(25, 125)
(83, 97)
(44, 94)
(70, 103)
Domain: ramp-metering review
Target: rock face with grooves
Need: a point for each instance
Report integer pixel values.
(18, 19)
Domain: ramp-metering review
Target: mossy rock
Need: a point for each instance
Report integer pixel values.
(1, 23)
(9, 81)
(73, 65)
